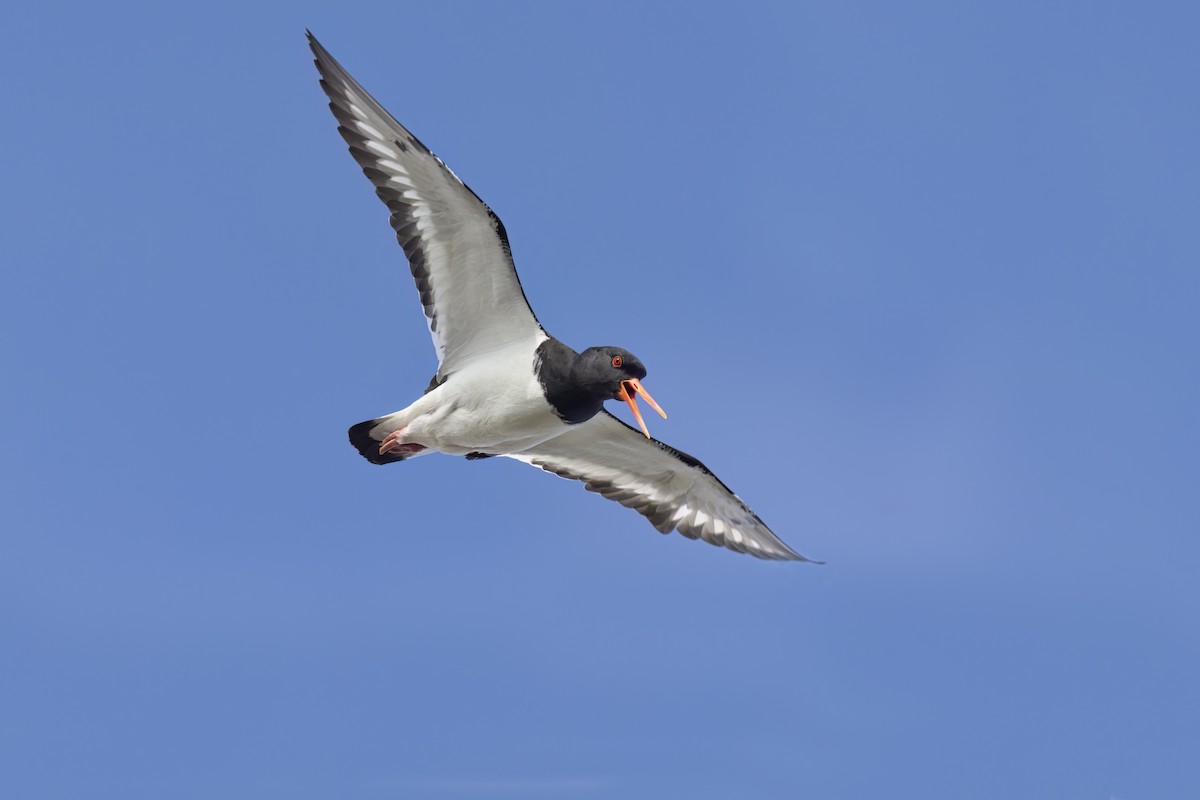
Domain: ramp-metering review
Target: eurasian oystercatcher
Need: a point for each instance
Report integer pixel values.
(505, 387)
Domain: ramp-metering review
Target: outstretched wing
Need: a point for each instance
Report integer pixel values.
(671, 489)
(456, 247)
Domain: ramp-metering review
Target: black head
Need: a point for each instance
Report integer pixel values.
(577, 384)
(618, 374)
(608, 367)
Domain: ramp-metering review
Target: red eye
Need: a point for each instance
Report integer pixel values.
(617, 361)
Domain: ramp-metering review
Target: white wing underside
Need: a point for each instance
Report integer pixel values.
(671, 489)
(457, 249)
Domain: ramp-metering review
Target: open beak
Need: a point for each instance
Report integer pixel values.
(630, 389)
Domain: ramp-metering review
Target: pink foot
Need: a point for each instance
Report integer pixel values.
(392, 444)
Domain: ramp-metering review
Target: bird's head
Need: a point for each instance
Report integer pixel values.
(618, 373)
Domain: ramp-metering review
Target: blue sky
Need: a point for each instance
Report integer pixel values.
(945, 255)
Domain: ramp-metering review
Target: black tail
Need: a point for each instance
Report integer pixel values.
(368, 447)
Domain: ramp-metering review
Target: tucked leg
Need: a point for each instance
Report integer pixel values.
(392, 444)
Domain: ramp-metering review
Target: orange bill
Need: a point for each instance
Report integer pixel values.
(630, 389)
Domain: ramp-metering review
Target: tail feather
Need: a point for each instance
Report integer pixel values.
(368, 445)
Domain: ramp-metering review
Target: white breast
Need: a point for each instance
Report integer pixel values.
(493, 405)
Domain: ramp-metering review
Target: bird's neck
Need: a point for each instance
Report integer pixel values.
(560, 371)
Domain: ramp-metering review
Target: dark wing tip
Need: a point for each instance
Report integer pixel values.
(790, 555)
(324, 61)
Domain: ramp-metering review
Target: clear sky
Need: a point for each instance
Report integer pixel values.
(920, 281)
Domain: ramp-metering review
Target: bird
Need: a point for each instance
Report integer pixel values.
(504, 386)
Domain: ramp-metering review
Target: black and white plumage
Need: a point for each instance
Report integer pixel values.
(503, 385)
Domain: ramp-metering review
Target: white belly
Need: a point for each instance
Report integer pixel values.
(491, 407)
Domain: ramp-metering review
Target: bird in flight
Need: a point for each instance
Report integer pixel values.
(505, 387)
